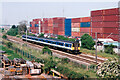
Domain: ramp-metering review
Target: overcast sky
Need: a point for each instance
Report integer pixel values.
(13, 12)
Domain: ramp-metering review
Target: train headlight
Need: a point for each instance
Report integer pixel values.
(72, 48)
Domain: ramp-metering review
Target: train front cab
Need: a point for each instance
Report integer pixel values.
(76, 47)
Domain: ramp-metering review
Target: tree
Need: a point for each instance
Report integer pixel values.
(22, 27)
(13, 26)
(13, 31)
(4, 36)
(87, 41)
(9, 44)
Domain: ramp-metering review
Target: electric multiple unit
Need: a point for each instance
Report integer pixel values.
(71, 47)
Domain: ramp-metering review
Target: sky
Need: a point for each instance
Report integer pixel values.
(13, 11)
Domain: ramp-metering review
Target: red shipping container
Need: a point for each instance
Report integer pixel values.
(111, 18)
(97, 18)
(114, 11)
(110, 24)
(85, 19)
(61, 33)
(50, 21)
(76, 20)
(98, 30)
(55, 25)
(85, 30)
(111, 30)
(99, 35)
(55, 30)
(96, 24)
(76, 34)
(112, 36)
(77, 25)
(97, 13)
(50, 24)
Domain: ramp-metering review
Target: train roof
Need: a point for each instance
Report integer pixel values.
(52, 39)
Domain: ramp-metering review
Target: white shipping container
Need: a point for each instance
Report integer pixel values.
(35, 71)
(75, 29)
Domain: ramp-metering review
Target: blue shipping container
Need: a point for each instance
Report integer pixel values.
(85, 24)
(30, 25)
(68, 27)
(36, 25)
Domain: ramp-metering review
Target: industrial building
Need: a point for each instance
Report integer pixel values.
(105, 22)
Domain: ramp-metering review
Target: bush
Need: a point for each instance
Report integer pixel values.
(87, 42)
(46, 50)
(41, 35)
(9, 44)
(65, 60)
(83, 66)
(12, 31)
(4, 37)
(109, 49)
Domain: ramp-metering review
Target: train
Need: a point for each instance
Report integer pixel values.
(67, 46)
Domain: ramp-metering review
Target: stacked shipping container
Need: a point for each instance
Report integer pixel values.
(68, 27)
(59, 26)
(75, 27)
(85, 25)
(105, 23)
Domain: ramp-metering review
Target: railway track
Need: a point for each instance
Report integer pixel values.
(86, 59)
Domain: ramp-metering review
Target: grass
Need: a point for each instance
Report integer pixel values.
(46, 57)
(100, 54)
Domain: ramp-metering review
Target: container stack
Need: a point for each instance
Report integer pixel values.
(75, 27)
(105, 23)
(34, 26)
(45, 25)
(85, 25)
(58, 26)
(50, 25)
(111, 23)
(67, 27)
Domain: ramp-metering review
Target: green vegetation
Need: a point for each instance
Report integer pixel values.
(87, 42)
(100, 54)
(65, 38)
(13, 31)
(2, 30)
(22, 27)
(9, 44)
(4, 36)
(55, 62)
(109, 49)
(10, 53)
(46, 50)
(109, 69)
(41, 35)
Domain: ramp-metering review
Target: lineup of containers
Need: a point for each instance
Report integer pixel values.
(104, 22)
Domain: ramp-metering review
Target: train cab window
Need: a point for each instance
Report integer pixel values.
(76, 45)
